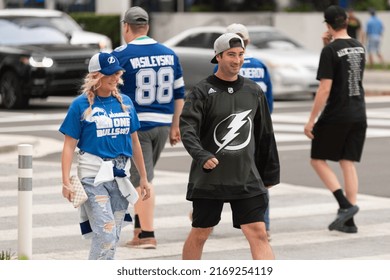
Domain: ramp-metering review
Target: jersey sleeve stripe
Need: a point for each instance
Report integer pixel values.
(178, 83)
(155, 117)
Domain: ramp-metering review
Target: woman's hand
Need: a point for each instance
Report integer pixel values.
(68, 192)
(145, 188)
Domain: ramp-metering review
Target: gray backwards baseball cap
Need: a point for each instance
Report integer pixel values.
(226, 41)
(239, 29)
(136, 15)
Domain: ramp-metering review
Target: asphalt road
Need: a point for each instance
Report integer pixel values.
(43, 118)
(289, 118)
(301, 208)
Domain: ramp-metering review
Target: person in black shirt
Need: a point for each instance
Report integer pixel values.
(339, 133)
(226, 128)
(354, 26)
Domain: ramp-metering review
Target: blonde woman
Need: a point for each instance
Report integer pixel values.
(102, 124)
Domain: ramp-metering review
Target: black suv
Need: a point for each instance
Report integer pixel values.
(37, 62)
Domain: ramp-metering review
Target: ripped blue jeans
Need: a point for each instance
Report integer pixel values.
(106, 208)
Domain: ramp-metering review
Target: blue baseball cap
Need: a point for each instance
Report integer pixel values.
(104, 63)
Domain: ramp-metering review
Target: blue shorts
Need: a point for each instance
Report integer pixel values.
(373, 44)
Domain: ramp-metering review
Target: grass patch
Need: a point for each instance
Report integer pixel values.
(6, 255)
(377, 66)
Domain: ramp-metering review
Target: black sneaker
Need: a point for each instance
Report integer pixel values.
(343, 215)
(347, 229)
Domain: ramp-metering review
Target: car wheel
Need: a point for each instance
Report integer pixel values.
(11, 92)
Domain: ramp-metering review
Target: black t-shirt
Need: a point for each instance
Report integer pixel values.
(343, 62)
(353, 27)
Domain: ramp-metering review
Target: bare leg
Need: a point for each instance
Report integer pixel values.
(145, 210)
(193, 246)
(256, 235)
(351, 181)
(381, 59)
(326, 174)
(370, 60)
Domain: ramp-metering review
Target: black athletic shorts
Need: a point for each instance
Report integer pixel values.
(338, 141)
(207, 212)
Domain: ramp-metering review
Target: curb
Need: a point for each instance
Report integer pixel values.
(377, 92)
(42, 146)
(8, 148)
(10, 143)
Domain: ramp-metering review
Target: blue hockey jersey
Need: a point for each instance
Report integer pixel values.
(153, 80)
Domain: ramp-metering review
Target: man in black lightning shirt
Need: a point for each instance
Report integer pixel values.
(226, 128)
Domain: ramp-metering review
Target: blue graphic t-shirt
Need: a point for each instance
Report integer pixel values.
(106, 131)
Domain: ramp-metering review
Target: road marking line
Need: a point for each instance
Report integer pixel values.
(219, 244)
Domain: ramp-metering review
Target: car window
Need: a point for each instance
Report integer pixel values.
(272, 40)
(63, 24)
(13, 34)
(199, 40)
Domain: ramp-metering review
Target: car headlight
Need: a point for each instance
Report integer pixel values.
(40, 62)
(283, 66)
(105, 45)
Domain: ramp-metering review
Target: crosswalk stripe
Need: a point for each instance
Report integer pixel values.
(16, 117)
(366, 202)
(165, 177)
(378, 122)
(46, 127)
(371, 132)
(234, 243)
(172, 221)
(371, 257)
(282, 189)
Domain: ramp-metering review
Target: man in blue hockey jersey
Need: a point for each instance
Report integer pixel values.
(154, 81)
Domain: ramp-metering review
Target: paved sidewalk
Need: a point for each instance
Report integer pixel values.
(42, 146)
(376, 82)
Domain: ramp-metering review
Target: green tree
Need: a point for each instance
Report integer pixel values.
(320, 5)
(234, 5)
(364, 5)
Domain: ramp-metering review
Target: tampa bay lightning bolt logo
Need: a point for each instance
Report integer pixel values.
(237, 130)
(111, 60)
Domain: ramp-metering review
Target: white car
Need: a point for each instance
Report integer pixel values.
(59, 21)
(292, 67)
